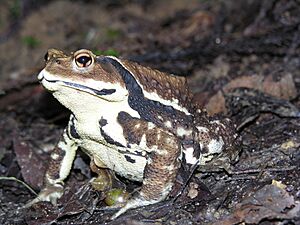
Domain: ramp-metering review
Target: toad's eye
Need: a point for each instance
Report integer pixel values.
(83, 60)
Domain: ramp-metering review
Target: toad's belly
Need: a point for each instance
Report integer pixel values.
(120, 160)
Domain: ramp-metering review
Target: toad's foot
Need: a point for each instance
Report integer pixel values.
(48, 194)
(134, 202)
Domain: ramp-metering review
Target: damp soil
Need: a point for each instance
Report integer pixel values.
(241, 59)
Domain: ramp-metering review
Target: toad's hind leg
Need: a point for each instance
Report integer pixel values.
(160, 171)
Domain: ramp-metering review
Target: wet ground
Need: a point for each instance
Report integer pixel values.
(242, 61)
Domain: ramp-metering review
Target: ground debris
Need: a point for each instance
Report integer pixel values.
(284, 89)
(247, 104)
(268, 203)
(29, 163)
(241, 58)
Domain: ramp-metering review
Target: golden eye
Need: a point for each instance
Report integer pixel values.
(83, 60)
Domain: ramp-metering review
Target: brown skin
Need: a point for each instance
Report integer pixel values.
(156, 174)
(166, 86)
(59, 63)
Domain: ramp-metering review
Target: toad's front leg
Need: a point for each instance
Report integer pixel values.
(60, 164)
(160, 171)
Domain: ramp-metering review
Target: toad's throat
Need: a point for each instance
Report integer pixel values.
(84, 88)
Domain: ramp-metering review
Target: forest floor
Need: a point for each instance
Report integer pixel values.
(241, 59)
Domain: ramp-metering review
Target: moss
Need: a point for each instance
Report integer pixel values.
(31, 41)
(110, 52)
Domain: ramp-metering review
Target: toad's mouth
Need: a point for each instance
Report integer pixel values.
(80, 87)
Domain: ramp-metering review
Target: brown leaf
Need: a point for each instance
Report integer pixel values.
(216, 104)
(268, 203)
(199, 22)
(283, 89)
(32, 166)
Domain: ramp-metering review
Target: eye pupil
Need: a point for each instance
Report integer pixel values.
(83, 61)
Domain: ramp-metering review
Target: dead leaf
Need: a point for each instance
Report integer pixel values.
(289, 144)
(199, 22)
(216, 104)
(30, 163)
(278, 184)
(283, 89)
(268, 203)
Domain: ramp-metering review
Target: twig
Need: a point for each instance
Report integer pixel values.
(17, 180)
(264, 170)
